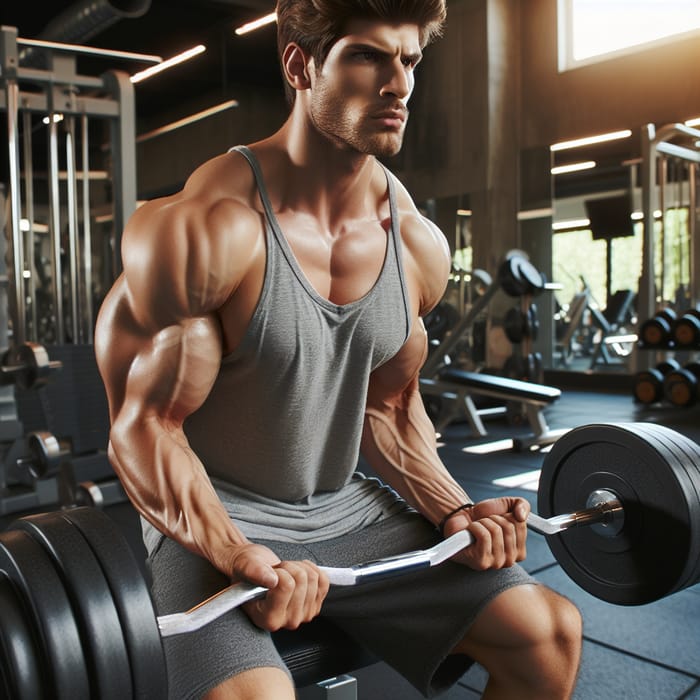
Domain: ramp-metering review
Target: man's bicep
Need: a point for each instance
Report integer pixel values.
(165, 372)
(394, 380)
(173, 372)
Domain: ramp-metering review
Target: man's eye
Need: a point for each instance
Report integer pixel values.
(366, 55)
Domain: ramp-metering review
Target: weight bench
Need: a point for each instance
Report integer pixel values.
(321, 650)
(456, 387)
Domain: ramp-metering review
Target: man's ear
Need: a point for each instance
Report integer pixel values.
(296, 67)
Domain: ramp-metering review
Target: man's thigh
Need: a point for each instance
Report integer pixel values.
(413, 621)
(201, 660)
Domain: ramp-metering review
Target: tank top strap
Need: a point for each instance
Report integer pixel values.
(259, 180)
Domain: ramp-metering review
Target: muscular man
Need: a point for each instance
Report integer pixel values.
(266, 329)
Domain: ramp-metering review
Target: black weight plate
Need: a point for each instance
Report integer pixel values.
(664, 440)
(637, 566)
(531, 277)
(100, 629)
(509, 276)
(688, 455)
(20, 662)
(34, 577)
(131, 597)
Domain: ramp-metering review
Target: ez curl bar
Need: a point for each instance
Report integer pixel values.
(607, 511)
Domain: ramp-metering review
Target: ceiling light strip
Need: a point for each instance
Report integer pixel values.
(571, 224)
(590, 140)
(91, 50)
(169, 63)
(256, 24)
(187, 120)
(573, 167)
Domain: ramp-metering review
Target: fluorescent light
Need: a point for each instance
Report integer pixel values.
(589, 140)
(693, 122)
(169, 63)
(529, 214)
(573, 167)
(639, 216)
(464, 212)
(256, 24)
(570, 223)
(187, 120)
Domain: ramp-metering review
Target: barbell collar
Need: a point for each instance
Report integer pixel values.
(604, 510)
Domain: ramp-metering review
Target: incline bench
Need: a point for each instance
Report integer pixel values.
(456, 387)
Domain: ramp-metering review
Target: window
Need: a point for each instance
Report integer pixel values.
(594, 30)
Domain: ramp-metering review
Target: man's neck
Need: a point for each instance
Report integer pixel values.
(325, 179)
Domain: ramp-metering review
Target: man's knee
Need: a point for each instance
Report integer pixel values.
(565, 632)
(254, 684)
(529, 637)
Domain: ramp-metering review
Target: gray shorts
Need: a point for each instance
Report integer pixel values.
(412, 622)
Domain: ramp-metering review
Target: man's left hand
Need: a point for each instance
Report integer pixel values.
(500, 531)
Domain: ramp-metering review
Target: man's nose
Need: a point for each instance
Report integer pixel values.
(399, 82)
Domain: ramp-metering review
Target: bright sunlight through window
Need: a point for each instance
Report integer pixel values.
(591, 29)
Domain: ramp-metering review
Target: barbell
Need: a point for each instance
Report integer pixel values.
(77, 620)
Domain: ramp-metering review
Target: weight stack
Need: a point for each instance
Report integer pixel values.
(72, 405)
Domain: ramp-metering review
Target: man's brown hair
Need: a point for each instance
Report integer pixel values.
(315, 25)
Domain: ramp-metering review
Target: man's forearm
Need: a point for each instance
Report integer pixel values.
(168, 485)
(399, 443)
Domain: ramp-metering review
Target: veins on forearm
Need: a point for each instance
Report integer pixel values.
(407, 458)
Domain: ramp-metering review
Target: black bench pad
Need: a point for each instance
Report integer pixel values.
(512, 388)
(319, 650)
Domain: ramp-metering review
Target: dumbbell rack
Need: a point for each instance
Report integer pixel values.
(675, 378)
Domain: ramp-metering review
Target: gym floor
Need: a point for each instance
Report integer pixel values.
(649, 652)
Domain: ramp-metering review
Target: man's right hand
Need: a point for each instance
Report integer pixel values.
(297, 588)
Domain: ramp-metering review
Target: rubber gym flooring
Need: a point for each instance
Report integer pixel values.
(649, 652)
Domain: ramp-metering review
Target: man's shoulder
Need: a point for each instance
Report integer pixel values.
(217, 199)
(201, 240)
(427, 254)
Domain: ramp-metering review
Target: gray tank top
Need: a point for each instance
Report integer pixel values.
(283, 422)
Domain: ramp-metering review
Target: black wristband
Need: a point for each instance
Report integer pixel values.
(443, 522)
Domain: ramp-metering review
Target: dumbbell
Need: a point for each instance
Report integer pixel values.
(518, 276)
(519, 324)
(649, 384)
(656, 331)
(44, 454)
(27, 366)
(686, 329)
(681, 385)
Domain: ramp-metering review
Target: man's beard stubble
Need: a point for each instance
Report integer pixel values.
(331, 120)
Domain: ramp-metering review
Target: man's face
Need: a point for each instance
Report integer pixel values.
(359, 95)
